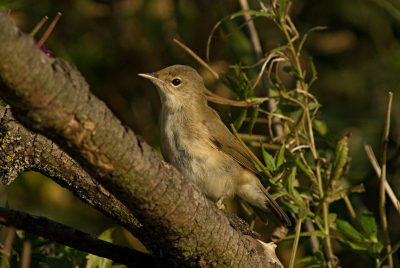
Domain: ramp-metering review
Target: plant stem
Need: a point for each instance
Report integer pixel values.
(48, 31)
(37, 27)
(8, 247)
(295, 244)
(377, 169)
(383, 182)
(259, 55)
(325, 211)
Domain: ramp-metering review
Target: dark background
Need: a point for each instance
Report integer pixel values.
(357, 58)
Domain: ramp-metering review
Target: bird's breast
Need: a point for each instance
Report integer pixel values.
(186, 146)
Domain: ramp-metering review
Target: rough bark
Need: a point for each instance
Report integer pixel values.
(49, 96)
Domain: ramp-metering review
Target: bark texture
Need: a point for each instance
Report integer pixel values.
(49, 96)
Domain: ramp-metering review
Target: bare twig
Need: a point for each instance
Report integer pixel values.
(26, 255)
(295, 244)
(48, 31)
(383, 182)
(377, 169)
(38, 26)
(259, 55)
(8, 247)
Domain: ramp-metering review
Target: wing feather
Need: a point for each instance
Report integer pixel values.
(222, 139)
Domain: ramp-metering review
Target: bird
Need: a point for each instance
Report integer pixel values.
(194, 140)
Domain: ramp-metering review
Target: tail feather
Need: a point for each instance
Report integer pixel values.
(272, 211)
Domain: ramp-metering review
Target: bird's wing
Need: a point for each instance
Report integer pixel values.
(222, 139)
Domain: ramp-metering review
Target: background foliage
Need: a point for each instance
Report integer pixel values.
(357, 58)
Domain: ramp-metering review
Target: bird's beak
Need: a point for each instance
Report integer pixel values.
(151, 76)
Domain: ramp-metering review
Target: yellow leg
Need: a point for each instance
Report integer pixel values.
(220, 205)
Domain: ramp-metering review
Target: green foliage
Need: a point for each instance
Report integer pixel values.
(306, 177)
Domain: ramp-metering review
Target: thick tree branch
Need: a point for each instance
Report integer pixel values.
(49, 96)
(21, 150)
(74, 238)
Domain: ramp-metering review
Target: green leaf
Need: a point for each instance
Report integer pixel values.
(277, 83)
(289, 206)
(239, 121)
(375, 249)
(235, 87)
(351, 245)
(320, 126)
(106, 235)
(340, 157)
(289, 69)
(298, 196)
(319, 255)
(286, 165)
(268, 159)
(313, 72)
(294, 158)
(278, 49)
(291, 180)
(280, 156)
(306, 35)
(306, 259)
(369, 225)
(332, 217)
(253, 119)
(244, 83)
(251, 12)
(342, 192)
(348, 230)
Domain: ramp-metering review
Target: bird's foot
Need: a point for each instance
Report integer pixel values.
(220, 205)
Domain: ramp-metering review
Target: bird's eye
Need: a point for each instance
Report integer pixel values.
(176, 82)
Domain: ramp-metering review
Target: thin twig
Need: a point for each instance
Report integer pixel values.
(38, 26)
(48, 31)
(295, 244)
(8, 247)
(377, 169)
(26, 254)
(383, 182)
(202, 62)
(325, 209)
(259, 55)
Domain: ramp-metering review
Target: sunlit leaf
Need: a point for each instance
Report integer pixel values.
(369, 225)
(251, 12)
(340, 157)
(239, 121)
(253, 119)
(289, 206)
(280, 156)
(306, 259)
(352, 245)
(348, 230)
(268, 159)
(320, 126)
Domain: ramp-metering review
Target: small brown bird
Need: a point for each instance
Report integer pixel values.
(198, 144)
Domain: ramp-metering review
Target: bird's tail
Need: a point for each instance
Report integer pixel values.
(271, 211)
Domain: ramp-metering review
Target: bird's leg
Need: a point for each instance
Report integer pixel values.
(220, 205)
